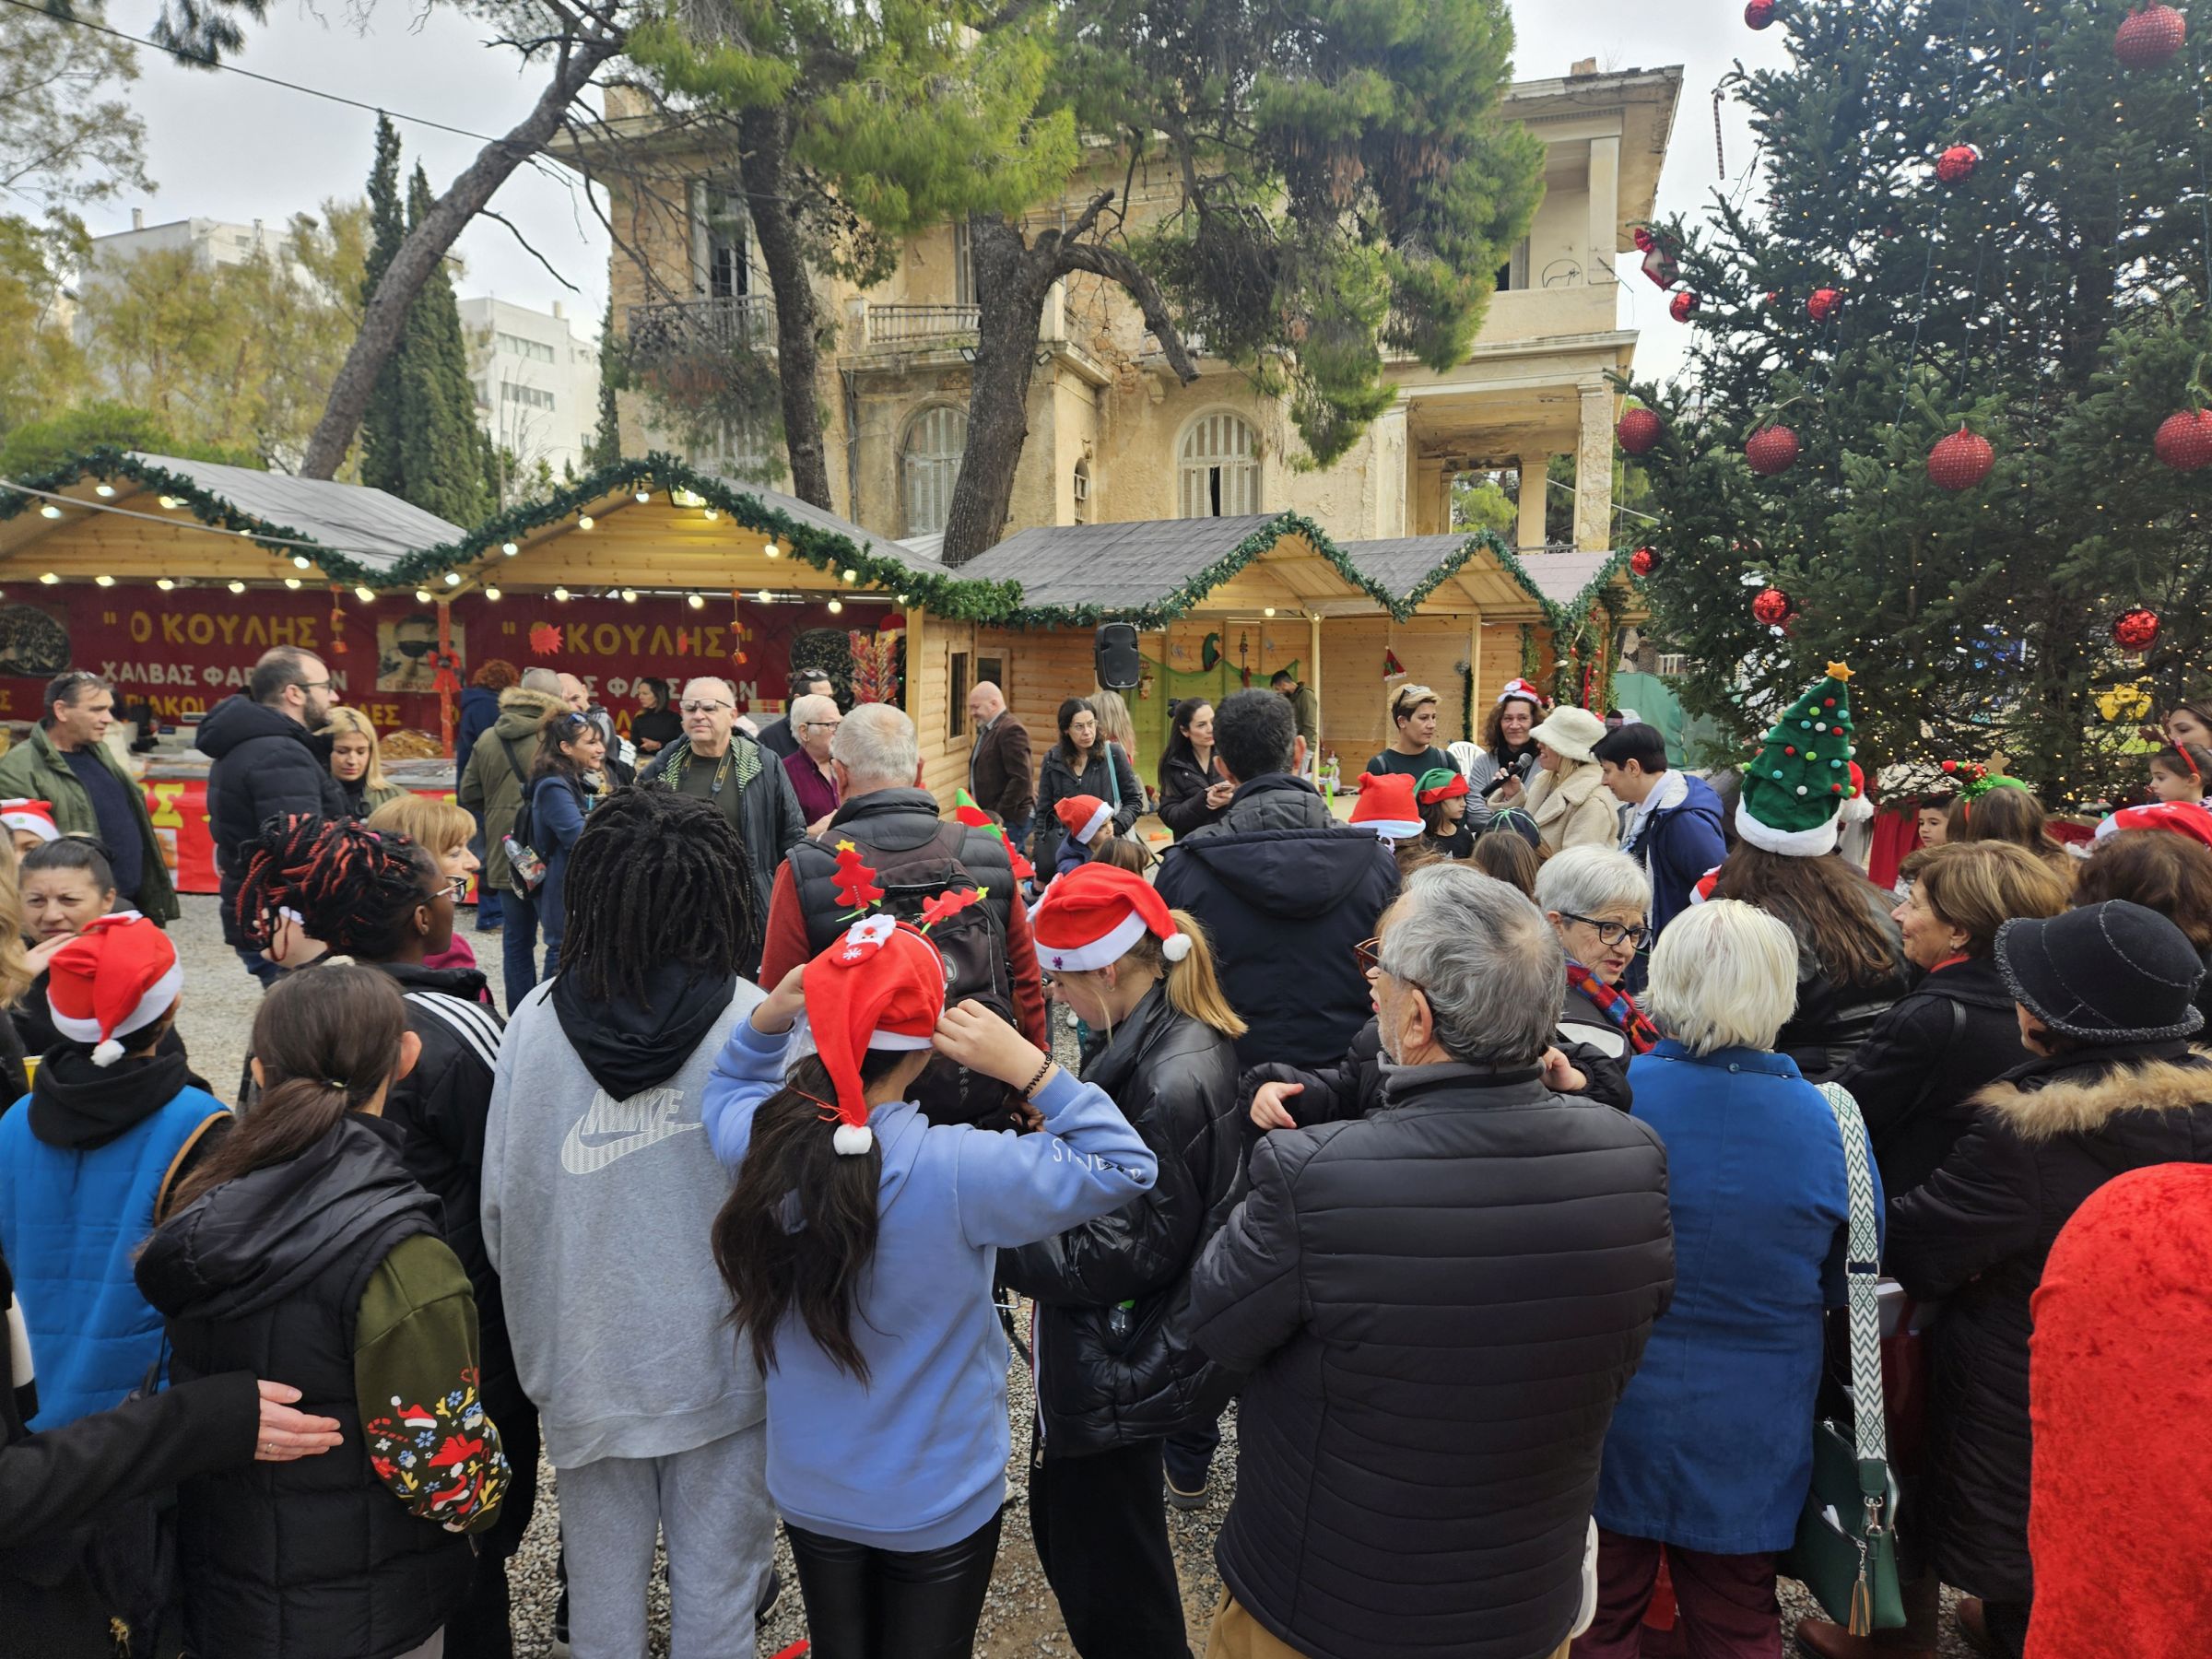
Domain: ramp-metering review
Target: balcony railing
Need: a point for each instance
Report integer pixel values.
(728, 322)
(916, 324)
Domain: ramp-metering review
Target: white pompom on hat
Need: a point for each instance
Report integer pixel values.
(1094, 913)
(880, 985)
(1525, 692)
(118, 976)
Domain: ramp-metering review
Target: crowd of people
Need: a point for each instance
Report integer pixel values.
(1519, 1158)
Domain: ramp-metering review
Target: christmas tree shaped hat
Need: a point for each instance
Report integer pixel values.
(1802, 776)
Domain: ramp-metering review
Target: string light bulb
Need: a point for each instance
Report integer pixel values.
(771, 549)
(561, 593)
(453, 579)
(695, 602)
(422, 596)
(366, 596)
(106, 492)
(165, 584)
(712, 515)
(852, 575)
(836, 607)
(49, 577)
(238, 587)
(171, 502)
(292, 582)
(644, 495)
(103, 581)
(584, 522)
(49, 511)
(301, 562)
(630, 595)
(491, 592)
(509, 549)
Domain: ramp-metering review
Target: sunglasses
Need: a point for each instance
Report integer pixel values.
(1367, 953)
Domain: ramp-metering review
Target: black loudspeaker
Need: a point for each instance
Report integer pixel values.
(1114, 647)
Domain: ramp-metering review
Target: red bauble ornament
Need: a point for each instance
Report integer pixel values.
(1772, 608)
(1683, 306)
(1771, 450)
(2137, 630)
(1645, 241)
(1758, 14)
(1638, 430)
(1960, 461)
(1958, 163)
(1645, 562)
(2149, 37)
(2185, 440)
(1823, 304)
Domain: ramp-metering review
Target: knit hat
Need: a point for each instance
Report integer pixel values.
(34, 816)
(1573, 732)
(880, 985)
(1083, 816)
(1795, 784)
(1386, 807)
(2104, 974)
(2183, 817)
(1441, 783)
(1513, 820)
(1095, 913)
(119, 975)
(1524, 691)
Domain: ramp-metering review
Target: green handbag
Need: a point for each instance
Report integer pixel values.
(1846, 1551)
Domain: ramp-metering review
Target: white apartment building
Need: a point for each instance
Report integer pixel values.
(536, 383)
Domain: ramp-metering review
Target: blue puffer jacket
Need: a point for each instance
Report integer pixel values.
(77, 1201)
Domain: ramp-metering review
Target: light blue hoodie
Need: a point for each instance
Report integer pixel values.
(915, 1458)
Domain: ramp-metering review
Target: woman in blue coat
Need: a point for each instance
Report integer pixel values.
(564, 781)
(1710, 1454)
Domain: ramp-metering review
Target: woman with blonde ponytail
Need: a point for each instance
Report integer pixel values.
(1113, 1380)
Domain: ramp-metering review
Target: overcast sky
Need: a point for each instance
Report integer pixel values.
(226, 147)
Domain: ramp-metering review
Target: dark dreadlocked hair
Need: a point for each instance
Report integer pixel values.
(655, 877)
(354, 887)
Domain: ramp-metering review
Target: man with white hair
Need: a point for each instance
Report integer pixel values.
(892, 822)
(1437, 1308)
(716, 762)
(814, 722)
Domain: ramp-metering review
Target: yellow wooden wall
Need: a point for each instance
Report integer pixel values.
(930, 643)
(1355, 695)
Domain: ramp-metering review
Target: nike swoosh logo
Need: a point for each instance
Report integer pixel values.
(611, 1129)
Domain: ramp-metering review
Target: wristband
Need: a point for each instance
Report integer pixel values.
(1030, 1089)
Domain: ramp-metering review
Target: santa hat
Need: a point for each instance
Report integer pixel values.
(2183, 817)
(34, 816)
(1386, 807)
(1701, 890)
(1095, 913)
(116, 977)
(1441, 783)
(1527, 692)
(1083, 816)
(880, 985)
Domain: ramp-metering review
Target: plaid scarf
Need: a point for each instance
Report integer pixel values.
(1617, 1005)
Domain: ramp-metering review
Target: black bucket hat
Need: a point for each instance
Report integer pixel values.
(2104, 974)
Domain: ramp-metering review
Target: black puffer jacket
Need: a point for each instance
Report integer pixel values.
(1285, 893)
(1835, 1016)
(1977, 1233)
(1353, 1087)
(1439, 1306)
(266, 765)
(1109, 1377)
(1920, 1065)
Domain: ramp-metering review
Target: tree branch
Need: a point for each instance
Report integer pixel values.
(517, 232)
(1118, 267)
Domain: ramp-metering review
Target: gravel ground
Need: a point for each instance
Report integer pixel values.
(1020, 1620)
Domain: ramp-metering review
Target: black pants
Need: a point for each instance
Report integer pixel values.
(864, 1603)
(2007, 1624)
(481, 1628)
(1101, 1524)
(1191, 1454)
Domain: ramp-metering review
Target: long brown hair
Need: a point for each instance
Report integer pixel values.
(2161, 871)
(2008, 815)
(328, 1040)
(798, 1229)
(1508, 858)
(1833, 909)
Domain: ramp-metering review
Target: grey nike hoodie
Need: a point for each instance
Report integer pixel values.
(596, 1214)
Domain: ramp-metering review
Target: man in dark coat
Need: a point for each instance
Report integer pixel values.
(2105, 999)
(268, 763)
(66, 762)
(1000, 774)
(1439, 1306)
(1286, 892)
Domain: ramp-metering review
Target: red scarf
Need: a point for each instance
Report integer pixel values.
(1617, 1005)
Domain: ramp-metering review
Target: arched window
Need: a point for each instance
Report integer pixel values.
(1218, 471)
(931, 462)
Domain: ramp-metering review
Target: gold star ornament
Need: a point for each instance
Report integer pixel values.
(1839, 671)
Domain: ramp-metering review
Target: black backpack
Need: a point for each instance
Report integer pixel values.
(973, 942)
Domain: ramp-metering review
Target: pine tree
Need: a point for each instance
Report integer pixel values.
(384, 422)
(605, 447)
(2050, 300)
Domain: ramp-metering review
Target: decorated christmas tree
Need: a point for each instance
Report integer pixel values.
(1802, 773)
(1941, 412)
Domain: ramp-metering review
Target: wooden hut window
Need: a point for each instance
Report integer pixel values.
(1220, 469)
(931, 463)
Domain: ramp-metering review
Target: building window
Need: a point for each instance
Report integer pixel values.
(957, 725)
(1513, 275)
(537, 351)
(530, 397)
(721, 264)
(1082, 492)
(929, 463)
(963, 264)
(1220, 469)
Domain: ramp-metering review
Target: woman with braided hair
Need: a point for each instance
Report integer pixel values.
(380, 899)
(599, 1188)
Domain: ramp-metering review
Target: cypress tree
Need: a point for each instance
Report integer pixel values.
(383, 422)
(605, 447)
(447, 458)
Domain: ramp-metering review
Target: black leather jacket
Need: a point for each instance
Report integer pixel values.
(1834, 1015)
(1113, 1365)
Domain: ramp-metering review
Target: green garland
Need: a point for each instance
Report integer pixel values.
(107, 462)
(1531, 660)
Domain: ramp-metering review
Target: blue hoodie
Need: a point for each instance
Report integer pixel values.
(915, 1458)
(1678, 845)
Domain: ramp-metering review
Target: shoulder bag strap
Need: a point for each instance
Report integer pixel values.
(1862, 1272)
(1114, 777)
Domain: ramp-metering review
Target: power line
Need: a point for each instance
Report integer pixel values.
(193, 523)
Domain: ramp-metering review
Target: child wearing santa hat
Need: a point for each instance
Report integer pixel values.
(1087, 821)
(107, 1126)
(30, 822)
(860, 1242)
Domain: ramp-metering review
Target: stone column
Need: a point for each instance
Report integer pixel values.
(1529, 536)
(1594, 472)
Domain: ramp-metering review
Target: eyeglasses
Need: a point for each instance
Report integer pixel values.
(1367, 953)
(1611, 932)
(458, 887)
(703, 707)
(313, 685)
(819, 725)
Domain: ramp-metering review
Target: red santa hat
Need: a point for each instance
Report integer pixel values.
(1527, 692)
(1095, 913)
(1386, 807)
(1083, 816)
(1701, 890)
(2183, 817)
(116, 977)
(34, 816)
(880, 985)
